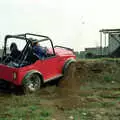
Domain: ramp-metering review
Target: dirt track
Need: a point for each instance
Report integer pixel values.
(90, 90)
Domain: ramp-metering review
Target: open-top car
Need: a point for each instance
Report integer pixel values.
(21, 66)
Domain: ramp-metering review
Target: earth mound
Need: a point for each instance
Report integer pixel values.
(84, 73)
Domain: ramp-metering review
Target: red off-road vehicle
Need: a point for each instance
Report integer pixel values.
(27, 69)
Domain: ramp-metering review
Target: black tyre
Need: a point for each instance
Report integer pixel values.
(67, 67)
(32, 83)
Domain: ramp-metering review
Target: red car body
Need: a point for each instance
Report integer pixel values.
(48, 69)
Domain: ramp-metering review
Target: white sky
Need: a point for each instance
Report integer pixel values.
(71, 23)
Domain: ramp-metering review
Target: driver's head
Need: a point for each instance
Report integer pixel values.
(35, 43)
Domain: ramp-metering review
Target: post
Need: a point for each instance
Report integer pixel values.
(101, 42)
(105, 49)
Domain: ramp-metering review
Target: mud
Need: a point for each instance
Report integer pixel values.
(83, 73)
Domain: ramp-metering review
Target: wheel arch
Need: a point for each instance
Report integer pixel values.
(67, 63)
(30, 73)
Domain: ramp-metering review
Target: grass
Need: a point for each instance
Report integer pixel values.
(80, 114)
(108, 77)
(24, 107)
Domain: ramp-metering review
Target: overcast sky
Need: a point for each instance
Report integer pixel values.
(71, 23)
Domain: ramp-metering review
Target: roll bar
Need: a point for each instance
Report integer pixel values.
(24, 37)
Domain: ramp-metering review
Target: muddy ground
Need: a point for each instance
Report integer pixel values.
(90, 90)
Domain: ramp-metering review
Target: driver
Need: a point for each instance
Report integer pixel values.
(39, 50)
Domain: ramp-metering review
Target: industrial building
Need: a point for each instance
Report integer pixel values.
(109, 45)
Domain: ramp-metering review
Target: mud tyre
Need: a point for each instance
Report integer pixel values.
(67, 67)
(31, 84)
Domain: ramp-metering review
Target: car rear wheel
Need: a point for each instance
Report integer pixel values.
(32, 83)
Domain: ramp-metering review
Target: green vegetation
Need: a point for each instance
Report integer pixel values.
(108, 78)
(24, 107)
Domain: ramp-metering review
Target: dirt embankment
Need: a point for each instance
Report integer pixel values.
(83, 73)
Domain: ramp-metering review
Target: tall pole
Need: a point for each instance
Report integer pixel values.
(101, 42)
(105, 45)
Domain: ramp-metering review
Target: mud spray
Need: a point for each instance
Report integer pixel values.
(69, 86)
